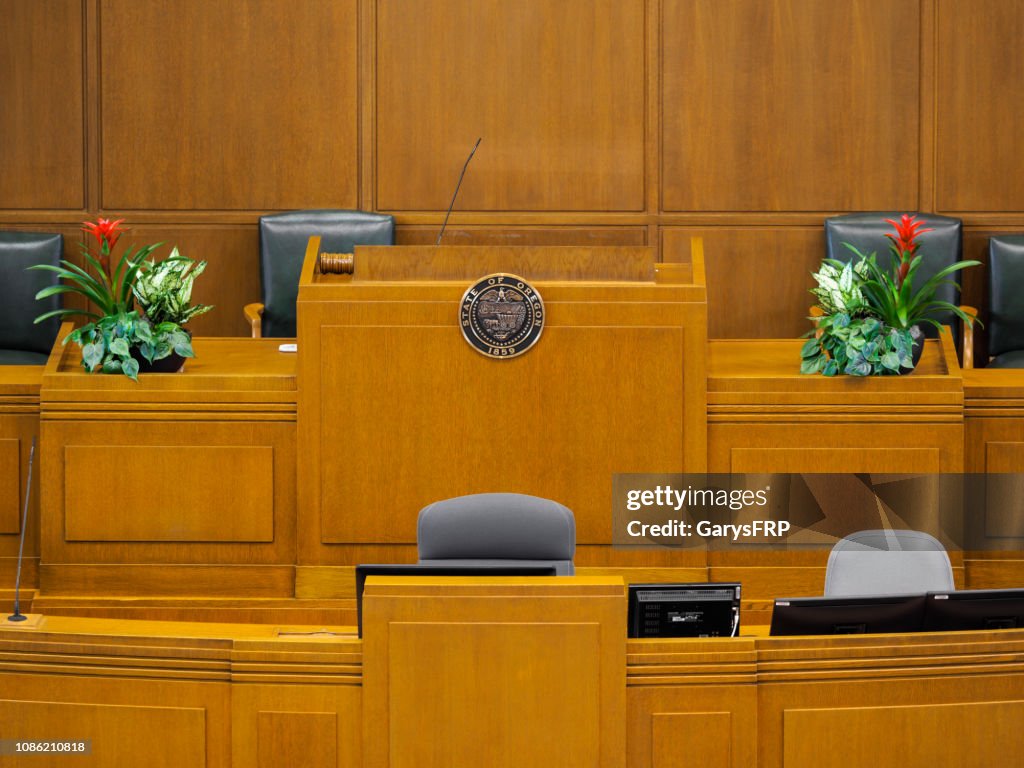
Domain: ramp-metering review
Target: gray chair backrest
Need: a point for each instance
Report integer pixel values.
(939, 249)
(1006, 294)
(495, 528)
(283, 239)
(886, 562)
(19, 308)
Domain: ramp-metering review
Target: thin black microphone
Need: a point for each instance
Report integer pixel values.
(18, 615)
(457, 186)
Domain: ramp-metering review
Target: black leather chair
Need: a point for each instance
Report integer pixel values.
(22, 342)
(283, 239)
(1006, 302)
(940, 248)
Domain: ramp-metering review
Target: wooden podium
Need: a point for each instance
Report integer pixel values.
(397, 410)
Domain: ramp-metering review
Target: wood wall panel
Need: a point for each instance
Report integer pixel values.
(232, 276)
(758, 277)
(226, 496)
(980, 105)
(42, 141)
(242, 105)
(791, 105)
(603, 122)
(554, 88)
(519, 235)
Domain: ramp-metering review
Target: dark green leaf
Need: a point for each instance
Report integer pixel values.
(810, 349)
(130, 368)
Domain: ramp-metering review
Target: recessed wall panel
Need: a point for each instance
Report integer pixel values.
(556, 90)
(980, 68)
(793, 105)
(42, 152)
(240, 105)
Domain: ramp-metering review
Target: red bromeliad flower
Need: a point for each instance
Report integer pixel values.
(904, 243)
(106, 231)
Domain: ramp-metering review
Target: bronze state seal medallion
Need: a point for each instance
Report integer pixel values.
(501, 316)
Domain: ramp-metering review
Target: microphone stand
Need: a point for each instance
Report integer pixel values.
(457, 187)
(18, 615)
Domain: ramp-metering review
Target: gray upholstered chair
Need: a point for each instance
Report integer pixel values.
(22, 342)
(283, 239)
(497, 528)
(887, 562)
(1006, 302)
(941, 247)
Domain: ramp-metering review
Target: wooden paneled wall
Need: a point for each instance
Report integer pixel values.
(603, 122)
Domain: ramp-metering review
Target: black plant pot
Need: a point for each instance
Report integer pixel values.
(170, 364)
(917, 337)
(173, 363)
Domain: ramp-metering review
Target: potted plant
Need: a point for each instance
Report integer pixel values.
(868, 318)
(163, 293)
(118, 338)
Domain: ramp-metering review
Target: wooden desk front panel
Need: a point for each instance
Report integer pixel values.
(167, 694)
(142, 700)
(764, 416)
(898, 701)
(19, 423)
(122, 495)
(494, 672)
(398, 411)
(691, 702)
(826, 446)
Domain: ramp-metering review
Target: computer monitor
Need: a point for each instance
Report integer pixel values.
(363, 571)
(974, 609)
(848, 615)
(684, 610)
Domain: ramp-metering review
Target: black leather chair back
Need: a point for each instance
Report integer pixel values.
(939, 249)
(1006, 301)
(283, 238)
(22, 342)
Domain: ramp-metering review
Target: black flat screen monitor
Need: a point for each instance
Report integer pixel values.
(684, 610)
(974, 609)
(848, 615)
(362, 571)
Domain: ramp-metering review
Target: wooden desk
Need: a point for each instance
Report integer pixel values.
(240, 695)
(180, 484)
(764, 416)
(397, 411)
(19, 423)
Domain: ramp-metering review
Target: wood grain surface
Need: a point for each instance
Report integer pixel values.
(747, 122)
